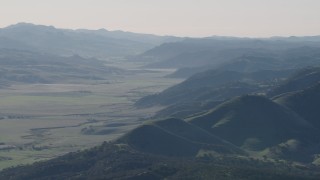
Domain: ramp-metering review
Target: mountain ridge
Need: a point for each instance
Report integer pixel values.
(87, 43)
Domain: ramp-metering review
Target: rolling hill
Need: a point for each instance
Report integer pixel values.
(217, 52)
(205, 90)
(305, 102)
(215, 85)
(175, 137)
(300, 80)
(254, 122)
(295, 58)
(18, 66)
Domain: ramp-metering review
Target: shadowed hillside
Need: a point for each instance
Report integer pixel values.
(255, 120)
(174, 137)
(215, 85)
(300, 80)
(306, 103)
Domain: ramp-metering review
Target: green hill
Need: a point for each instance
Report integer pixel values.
(306, 103)
(215, 85)
(254, 122)
(175, 137)
(300, 80)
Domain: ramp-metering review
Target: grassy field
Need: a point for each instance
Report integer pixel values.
(42, 121)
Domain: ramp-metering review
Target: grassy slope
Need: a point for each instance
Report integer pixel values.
(118, 161)
(214, 85)
(306, 103)
(253, 119)
(175, 137)
(301, 80)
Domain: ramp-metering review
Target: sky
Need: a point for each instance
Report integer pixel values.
(194, 18)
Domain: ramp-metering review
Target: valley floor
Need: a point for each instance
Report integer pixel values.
(43, 121)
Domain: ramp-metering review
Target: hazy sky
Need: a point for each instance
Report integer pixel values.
(254, 18)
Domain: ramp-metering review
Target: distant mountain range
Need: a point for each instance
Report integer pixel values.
(87, 43)
(191, 56)
(44, 54)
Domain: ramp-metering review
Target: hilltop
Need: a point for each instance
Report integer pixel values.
(254, 119)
